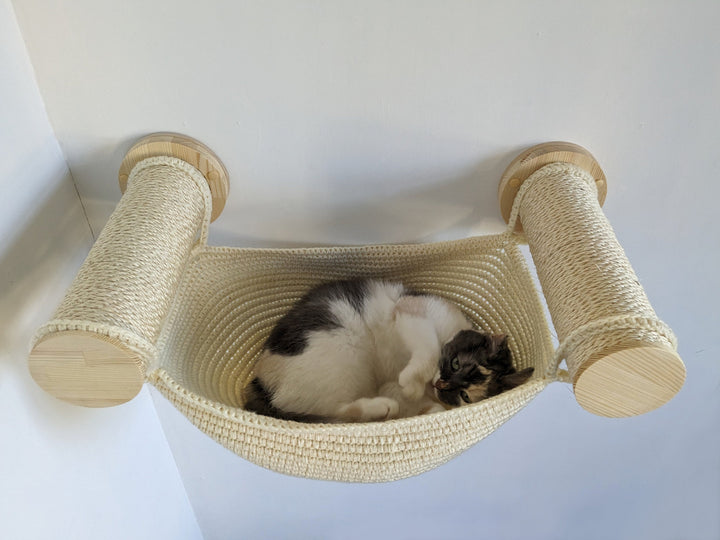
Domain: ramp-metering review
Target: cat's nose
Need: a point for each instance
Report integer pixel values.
(441, 385)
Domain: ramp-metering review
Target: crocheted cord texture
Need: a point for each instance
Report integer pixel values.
(198, 316)
(595, 299)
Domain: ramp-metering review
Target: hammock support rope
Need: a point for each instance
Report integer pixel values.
(621, 358)
(154, 303)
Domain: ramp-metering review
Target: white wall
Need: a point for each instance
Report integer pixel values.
(346, 121)
(65, 472)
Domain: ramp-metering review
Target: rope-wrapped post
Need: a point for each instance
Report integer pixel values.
(621, 358)
(97, 348)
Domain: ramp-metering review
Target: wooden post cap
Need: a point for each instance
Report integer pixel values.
(631, 376)
(535, 158)
(189, 150)
(86, 369)
(629, 381)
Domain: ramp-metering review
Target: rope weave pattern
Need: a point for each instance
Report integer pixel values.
(231, 298)
(198, 316)
(372, 452)
(125, 286)
(595, 298)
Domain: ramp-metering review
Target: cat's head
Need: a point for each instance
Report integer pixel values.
(474, 366)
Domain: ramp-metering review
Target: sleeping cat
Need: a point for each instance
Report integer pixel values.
(368, 350)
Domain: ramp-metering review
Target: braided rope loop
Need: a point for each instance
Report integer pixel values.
(124, 289)
(598, 307)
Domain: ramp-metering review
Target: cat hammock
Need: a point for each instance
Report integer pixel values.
(153, 302)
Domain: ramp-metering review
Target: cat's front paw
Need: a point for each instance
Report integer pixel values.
(414, 391)
(412, 384)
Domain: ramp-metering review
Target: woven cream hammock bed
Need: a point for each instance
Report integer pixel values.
(153, 302)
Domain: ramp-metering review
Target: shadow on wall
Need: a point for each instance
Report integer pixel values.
(98, 165)
(350, 184)
(448, 206)
(37, 268)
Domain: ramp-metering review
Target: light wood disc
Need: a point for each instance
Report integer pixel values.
(629, 382)
(537, 157)
(85, 369)
(189, 150)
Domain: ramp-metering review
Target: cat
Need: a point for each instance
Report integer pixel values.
(369, 350)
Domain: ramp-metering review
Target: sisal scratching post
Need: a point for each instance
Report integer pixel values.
(620, 356)
(153, 302)
(97, 348)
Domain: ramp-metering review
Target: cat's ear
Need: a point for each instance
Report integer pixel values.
(467, 340)
(500, 352)
(513, 380)
(448, 350)
(498, 341)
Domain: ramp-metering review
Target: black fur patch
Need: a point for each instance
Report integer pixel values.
(413, 292)
(312, 313)
(471, 349)
(467, 341)
(258, 400)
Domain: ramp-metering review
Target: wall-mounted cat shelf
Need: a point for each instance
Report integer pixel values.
(153, 302)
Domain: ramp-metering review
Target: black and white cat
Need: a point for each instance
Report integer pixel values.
(368, 350)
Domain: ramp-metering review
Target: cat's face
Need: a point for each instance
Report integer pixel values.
(474, 366)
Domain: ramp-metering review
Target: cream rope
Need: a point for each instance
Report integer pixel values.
(197, 316)
(595, 298)
(125, 286)
(230, 299)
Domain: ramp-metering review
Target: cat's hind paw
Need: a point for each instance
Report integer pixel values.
(414, 392)
(385, 408)
(370, 409)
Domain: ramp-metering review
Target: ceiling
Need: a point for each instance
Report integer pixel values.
(353, 122)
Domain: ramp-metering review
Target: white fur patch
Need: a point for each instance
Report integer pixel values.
(377, 365)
